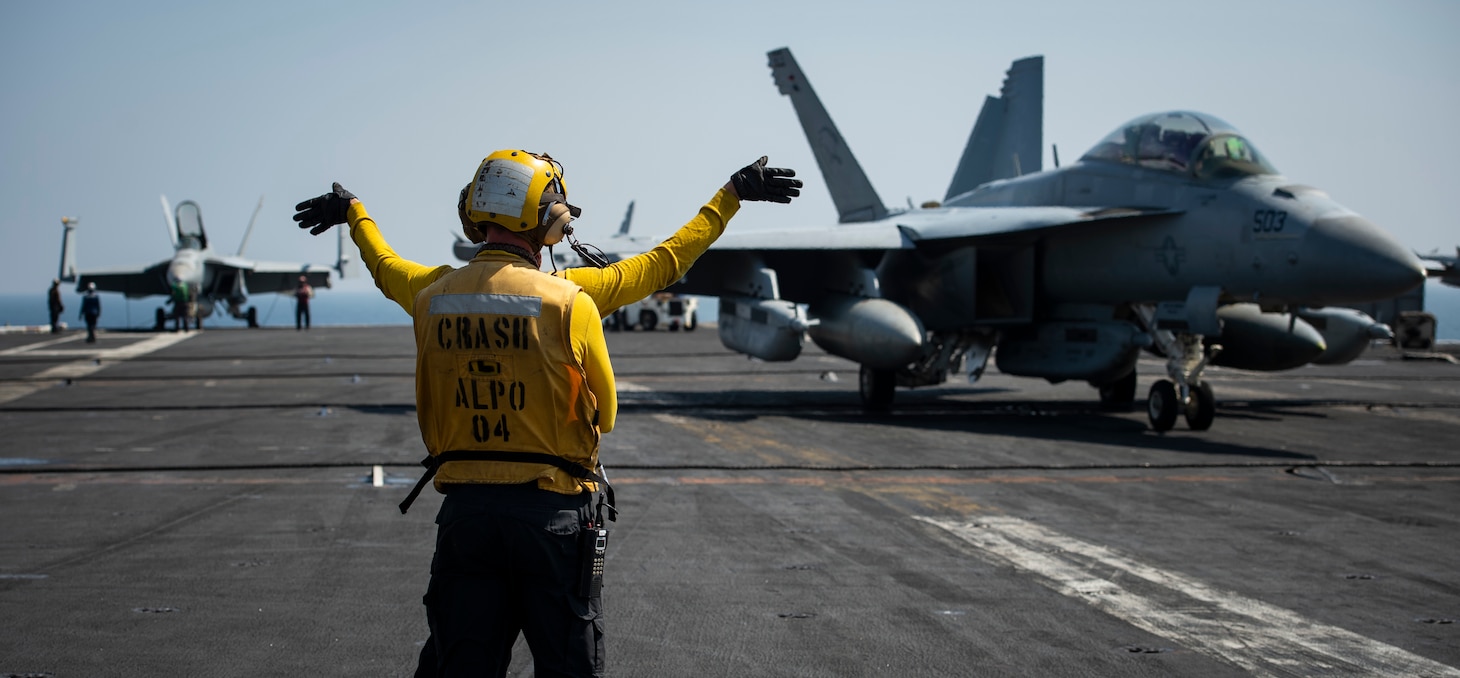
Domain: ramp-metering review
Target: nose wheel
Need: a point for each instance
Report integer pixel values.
(1199, 406)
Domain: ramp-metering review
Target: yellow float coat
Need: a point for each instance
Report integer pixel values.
(496, 371)
(606, 289)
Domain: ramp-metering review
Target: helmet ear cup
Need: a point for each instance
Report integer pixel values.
(469, 228)
(559, 227)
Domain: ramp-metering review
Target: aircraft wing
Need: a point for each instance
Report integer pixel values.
(263, 277)
(129, 281)
(810, 262)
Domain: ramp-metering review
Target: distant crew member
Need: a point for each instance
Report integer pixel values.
(513, 389)
(302, 295)
(53, 300)
(91, 311)
(182, 305)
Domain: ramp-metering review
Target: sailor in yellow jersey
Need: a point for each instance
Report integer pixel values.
(513, 388)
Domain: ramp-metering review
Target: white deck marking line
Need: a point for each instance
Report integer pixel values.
(40, 344)
(1263, 639)
(628, 387)
(95, 361)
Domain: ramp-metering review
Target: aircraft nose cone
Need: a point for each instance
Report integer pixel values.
(1357, 262)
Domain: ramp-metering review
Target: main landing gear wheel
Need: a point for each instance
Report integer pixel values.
(1119, 394)
(1162, 406)
(877, 387)
(161, 320)
(1201, 407)
(253, 317)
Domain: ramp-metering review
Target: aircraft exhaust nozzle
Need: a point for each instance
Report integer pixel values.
(1350, 260)
(877, 333)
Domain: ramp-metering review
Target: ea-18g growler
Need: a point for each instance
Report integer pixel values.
(1172, 235)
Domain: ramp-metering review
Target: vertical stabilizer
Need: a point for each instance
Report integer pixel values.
(243, 244)
(1008, 139)
(167, 219)
(852, 193)
(623, 228)
(68, 250)
(342, 254)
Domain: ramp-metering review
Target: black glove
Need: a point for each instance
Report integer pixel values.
(758, 182)
(319, 214)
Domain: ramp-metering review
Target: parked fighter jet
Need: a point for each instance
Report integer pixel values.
(618, 246)
(1173, 235)
(1447, 269)
(211, 278)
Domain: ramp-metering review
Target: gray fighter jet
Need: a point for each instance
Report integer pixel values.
(1447, 269)
(213, 279)
(1172, 235)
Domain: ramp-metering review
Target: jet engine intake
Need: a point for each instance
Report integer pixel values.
(878, 333)
(768, 329)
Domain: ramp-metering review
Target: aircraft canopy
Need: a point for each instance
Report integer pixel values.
(190, 224)
(1182, 141)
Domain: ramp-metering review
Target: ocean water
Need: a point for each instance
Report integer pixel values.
(329, 307)
(366, 306)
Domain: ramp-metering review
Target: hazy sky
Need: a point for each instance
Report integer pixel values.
(108, 105)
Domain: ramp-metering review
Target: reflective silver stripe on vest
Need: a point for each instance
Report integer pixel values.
(494, 304)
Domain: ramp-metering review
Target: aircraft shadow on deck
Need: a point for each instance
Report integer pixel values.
(1076, 421)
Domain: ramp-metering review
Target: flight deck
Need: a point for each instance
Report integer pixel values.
(223, 503)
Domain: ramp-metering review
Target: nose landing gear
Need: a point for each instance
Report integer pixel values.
(1185, 393)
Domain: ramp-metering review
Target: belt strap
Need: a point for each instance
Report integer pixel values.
(579, 471)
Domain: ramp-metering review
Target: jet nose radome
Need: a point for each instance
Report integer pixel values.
(1357, 262)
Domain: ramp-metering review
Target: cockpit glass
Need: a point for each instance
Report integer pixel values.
(1182, 141)
(189, 220)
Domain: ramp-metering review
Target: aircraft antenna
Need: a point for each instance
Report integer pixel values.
(249, 231)
(1056, 148)
(167, 219)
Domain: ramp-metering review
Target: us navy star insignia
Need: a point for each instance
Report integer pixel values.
(1171, 256)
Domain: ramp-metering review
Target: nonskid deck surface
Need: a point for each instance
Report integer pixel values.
(206, 506)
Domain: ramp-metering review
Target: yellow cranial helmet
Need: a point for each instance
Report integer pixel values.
(515, 189)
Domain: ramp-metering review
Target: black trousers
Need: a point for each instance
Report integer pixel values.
(507, 562)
